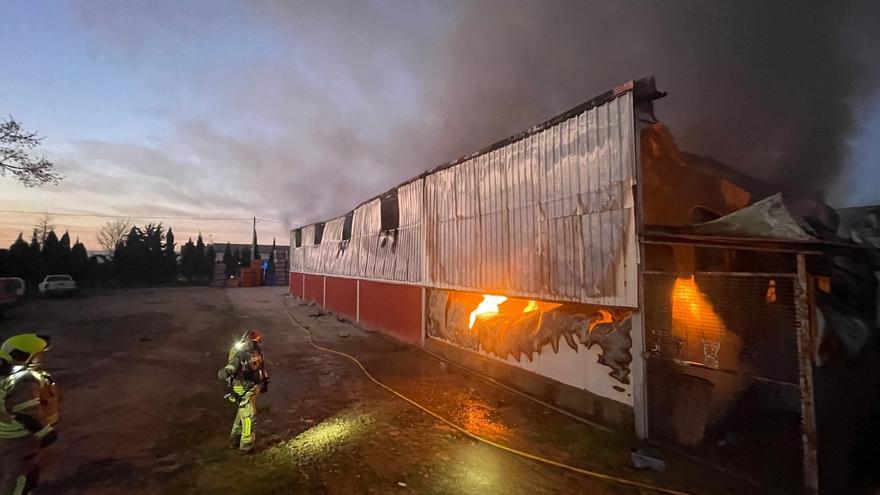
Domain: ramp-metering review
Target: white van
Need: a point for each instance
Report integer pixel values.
(18, 283)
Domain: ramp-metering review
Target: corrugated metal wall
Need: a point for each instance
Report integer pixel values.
(370, 253)
(549, 216)
(544, 217)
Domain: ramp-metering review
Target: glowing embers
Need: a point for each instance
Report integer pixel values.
(695, 320)
(488, 306)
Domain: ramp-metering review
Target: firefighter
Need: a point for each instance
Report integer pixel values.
(245, 374)
(28, 412)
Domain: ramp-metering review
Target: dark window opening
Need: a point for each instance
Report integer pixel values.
(297, 238)
(319, 233)
(346, 226)
(391, 235)
(389, 210)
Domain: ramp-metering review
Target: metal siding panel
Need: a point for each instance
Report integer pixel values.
(549, 216)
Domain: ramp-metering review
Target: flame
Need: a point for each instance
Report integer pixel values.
(604, 317)
(533, 305)
(692, 313)
(488, 306)
(771, 292)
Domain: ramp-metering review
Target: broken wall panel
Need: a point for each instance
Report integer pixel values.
(369, 252)
(584, 346)
(549, 216)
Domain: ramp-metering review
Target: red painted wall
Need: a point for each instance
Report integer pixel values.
(296, 284)
(314, 288)
(394, 309)
(342, 297)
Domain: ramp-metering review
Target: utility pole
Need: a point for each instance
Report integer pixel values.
(254, 252)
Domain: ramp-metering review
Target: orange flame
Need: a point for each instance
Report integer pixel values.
(533, 305)
(692, 312)
(488, 306)
(605, 316)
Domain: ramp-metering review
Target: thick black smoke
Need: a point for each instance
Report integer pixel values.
(771, 88)
(336, 101)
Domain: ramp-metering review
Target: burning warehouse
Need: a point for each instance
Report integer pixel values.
(591, 263)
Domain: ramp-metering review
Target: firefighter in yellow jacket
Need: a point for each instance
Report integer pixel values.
(28, 412)
(245, 373)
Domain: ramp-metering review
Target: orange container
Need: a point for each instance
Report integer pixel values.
(249, 278)
(257, 267)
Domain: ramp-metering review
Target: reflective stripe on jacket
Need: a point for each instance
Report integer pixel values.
(28, 403)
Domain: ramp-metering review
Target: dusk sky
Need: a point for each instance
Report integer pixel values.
(298, 111)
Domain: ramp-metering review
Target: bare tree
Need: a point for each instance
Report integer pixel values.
(16, 146)
(112, 233)
(43, 226)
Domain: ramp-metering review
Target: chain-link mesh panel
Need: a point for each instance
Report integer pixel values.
(723, 371)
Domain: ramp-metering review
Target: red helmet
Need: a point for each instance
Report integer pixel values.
(254, 335)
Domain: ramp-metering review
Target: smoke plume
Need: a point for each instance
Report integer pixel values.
(770, 88)
(326, 104)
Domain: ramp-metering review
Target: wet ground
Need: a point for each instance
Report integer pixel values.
(143, 411)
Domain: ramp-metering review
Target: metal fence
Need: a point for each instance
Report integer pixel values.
(723, 372)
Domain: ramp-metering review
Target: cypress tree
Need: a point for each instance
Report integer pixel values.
(154, 263)
(200, 259)
(19, 258)
(64, 254)
(32, 269)
(229, 261)
(246, 256)
(64, 243)
(188, 259)
(133, 257)
(51, 254)
(170, 256)
(79, 260)
(210, 262)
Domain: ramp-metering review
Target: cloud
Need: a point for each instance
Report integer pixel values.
(301, 110)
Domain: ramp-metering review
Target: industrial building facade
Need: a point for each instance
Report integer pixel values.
(532, 261)
(547, 216)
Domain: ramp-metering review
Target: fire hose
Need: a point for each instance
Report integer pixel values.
(464, 431)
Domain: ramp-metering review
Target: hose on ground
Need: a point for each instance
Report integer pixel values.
(464, 431)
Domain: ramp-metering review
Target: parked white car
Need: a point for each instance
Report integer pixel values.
(57, 284)
(18, 283)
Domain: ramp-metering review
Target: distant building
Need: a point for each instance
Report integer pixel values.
(281, 252)
(282, 256)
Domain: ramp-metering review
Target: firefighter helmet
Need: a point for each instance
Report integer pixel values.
(22, 349)
(254, 335)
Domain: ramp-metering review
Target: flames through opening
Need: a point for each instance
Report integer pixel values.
(490, 306)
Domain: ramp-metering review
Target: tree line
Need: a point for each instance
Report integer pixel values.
(35, 259)
(145, 255)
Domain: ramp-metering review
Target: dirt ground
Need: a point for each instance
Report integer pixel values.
(143, 412)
